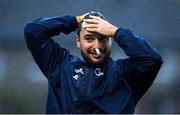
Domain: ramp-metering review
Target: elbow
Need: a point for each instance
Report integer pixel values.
(31, 31)
(158, 61)
(28, 34)
(28, 29)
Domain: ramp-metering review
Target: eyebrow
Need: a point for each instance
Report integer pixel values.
(89, 35)
(99, 36)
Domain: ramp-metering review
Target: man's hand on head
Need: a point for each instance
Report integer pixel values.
(97, 24)
(80, 18)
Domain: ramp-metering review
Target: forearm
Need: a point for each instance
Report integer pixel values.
(46, 52)
(133, 46)
(143, 64)
(46, 28)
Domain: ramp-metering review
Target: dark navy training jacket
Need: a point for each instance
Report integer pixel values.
(75, 87)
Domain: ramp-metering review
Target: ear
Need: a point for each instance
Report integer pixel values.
(78, 42)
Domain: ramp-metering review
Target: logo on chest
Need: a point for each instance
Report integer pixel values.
(78, 73)
(98, 72)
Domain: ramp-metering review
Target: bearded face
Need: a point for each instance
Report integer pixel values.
(95, 48)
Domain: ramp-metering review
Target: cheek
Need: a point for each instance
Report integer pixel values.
(84, 46)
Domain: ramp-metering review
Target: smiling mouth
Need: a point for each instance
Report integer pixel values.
(96, 52)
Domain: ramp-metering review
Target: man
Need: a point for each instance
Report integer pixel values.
(96, 84)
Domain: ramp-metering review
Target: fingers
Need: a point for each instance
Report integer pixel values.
(92, 24)
(94, 21)
(92, 29)
(94, 17)
(89, 25)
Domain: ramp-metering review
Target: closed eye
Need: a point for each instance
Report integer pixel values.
(89, 38)
(103, 38)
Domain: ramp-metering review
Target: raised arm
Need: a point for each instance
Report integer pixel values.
(46, 52)
(143, 63)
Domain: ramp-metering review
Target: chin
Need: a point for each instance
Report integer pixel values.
(96, 62)
(92, 61)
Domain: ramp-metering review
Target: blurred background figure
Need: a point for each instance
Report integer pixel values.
(23, 88)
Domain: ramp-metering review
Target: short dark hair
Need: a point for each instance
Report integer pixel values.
(98, 14)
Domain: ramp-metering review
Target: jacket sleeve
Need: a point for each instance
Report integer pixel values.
(46, 52)
(143, 62)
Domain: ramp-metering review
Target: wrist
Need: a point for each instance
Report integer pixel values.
(78, 19)
(114, 29)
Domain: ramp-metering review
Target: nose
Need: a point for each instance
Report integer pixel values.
(97, 43)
